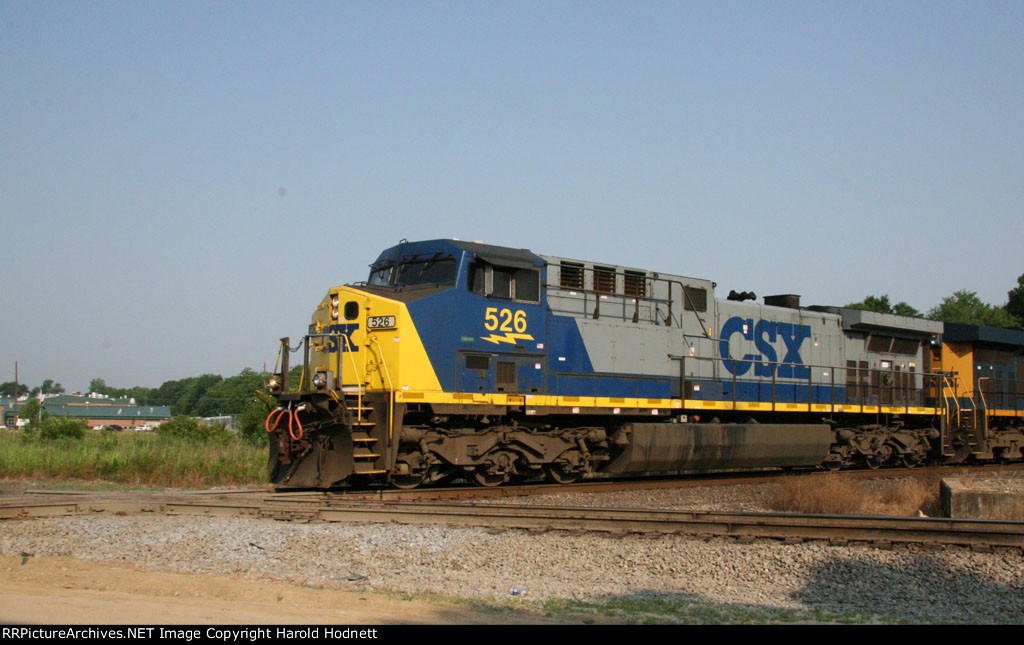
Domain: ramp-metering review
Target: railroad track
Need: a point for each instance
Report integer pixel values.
(744, 526)
(471, 491)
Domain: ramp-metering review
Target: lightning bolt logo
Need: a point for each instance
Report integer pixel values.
(509, 337)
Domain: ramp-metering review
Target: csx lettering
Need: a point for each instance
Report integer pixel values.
(765, 334)
(344, 338)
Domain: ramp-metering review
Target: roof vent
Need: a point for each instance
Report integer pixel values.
(790, 300)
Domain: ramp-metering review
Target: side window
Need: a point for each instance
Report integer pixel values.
(505, 282)
(501, 286)
(478, 278)
(528, 285)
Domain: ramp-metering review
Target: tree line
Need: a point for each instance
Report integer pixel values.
(208, 395)
(962, 307)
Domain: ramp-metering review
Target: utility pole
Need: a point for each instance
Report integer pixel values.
(15, 406)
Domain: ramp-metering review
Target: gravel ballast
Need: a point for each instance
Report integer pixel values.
(659, 578)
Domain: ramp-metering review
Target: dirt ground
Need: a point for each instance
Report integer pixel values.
(66, 591)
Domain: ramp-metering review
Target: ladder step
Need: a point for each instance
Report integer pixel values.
(368, 472)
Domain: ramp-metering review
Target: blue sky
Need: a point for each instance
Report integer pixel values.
(180, 183)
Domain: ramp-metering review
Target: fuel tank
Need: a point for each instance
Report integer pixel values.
(653, 447)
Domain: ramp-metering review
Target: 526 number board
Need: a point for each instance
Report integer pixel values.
(380, 322)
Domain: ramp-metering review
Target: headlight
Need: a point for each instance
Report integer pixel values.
(334, 307)
(274, 384)
(320, 380)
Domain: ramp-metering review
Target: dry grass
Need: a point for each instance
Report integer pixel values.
(834, 494)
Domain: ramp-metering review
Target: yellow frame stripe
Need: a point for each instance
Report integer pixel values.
(544, 400)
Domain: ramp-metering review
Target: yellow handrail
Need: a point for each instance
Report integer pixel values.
(981, 391)
(947, 386)
(391, 390)
(355, 373)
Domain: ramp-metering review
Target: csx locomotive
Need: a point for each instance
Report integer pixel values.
(461, 359)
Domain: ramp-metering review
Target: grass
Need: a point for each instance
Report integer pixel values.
(131, 460)
(833, 494)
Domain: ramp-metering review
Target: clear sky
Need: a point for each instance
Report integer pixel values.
(181, 182)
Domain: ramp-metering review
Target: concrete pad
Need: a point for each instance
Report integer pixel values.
(987, 499)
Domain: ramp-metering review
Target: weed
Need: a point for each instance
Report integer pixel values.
(834, 494)
(146, 459)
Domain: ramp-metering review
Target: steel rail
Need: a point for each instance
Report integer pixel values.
(619, 521)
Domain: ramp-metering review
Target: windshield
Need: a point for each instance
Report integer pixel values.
(414, 272)
(381, 276)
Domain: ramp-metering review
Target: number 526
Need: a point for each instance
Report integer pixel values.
(504, 320)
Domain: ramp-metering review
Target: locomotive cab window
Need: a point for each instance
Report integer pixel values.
(508, 283)
(478, 278)
(425, 272)
(380, 276)
(413, 272)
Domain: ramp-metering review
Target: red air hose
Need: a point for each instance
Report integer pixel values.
(294, 416)
(293, 421)
(279, 412)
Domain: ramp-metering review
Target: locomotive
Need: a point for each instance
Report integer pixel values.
(463, 359)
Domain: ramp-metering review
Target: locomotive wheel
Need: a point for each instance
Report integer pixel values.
(885, 454)
(406, 482)
(910, 461)
(484, 478)
(872, 461)
(557, 473)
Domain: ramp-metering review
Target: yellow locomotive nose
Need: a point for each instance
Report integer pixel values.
(362, 341)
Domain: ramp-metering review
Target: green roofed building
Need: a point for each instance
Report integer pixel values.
(125, 416)
(96, 412)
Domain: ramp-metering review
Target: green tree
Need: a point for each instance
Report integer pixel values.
(194, 391)
(31, 410)
(1015, 304)
(7, 389)
(966, 307)
(99, 386)
(49, 387)
(882, 305)
(252, 422)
